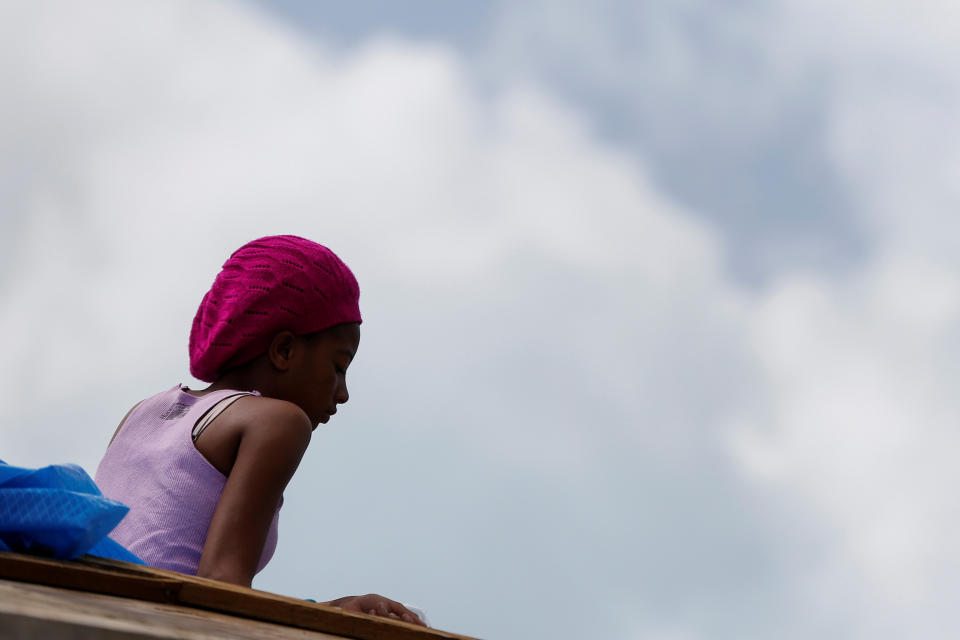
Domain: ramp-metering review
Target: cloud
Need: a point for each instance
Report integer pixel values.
(521, 286)
(850, 417)
(860, 405)
(730, 117)
(562, 398)
(861, 368)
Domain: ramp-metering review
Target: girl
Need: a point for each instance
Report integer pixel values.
(203, 471)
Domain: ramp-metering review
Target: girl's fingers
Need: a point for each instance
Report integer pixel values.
(375, 605)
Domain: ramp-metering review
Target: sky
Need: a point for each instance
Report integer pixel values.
(660, 299)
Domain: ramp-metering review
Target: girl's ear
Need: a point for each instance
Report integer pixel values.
(282, 350)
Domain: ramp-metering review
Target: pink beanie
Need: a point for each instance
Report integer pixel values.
(269, 285)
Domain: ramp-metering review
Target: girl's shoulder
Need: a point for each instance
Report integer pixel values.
(256, 411)
(252, 423)
(234, 406)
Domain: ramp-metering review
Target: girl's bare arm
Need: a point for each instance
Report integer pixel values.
(273, 437)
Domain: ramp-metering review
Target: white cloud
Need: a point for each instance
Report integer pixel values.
(517, 275)
(860, 410)
(857, 432)
(535, 308)
(851, 417)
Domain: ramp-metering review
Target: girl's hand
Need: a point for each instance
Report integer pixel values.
(375, 605)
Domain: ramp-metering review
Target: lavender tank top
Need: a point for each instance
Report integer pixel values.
(153, 467)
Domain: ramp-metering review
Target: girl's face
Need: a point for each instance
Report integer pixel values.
(319, 380)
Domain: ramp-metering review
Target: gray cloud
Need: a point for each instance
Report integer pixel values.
(730, 118)
(567, 417)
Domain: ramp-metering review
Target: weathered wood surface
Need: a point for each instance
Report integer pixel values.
(33, 611)
(111, 577)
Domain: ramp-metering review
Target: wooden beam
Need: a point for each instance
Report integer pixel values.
(30, 611)
(138, 582)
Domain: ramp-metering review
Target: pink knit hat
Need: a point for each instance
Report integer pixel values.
(269, 285)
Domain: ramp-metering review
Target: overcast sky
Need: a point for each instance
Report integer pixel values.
(660, 299)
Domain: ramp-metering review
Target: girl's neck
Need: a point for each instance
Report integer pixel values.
(246, 378)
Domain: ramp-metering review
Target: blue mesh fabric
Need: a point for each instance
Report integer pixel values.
(57, 511)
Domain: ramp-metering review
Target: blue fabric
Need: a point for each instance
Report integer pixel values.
(109, 548)
(57, 511)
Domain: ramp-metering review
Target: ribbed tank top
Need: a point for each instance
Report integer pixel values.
(153, 467)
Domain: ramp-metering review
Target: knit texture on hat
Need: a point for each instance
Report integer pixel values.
(269, 285)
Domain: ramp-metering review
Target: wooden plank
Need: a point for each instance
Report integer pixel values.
(261, 605)
(38, 611)
(307, 615)
(157, 585)
(16, 627)
(73, 575)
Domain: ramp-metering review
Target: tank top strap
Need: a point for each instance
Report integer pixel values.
(179, 406)
(214, 411)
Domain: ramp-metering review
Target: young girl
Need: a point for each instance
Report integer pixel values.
(203, 471)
